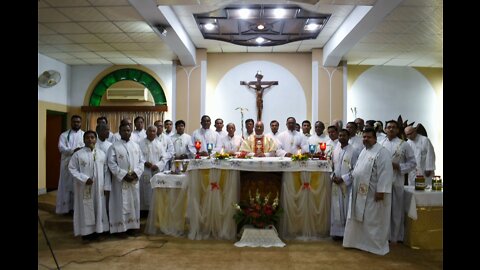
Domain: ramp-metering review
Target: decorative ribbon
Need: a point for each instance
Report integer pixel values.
(306, 185)
(214, 185)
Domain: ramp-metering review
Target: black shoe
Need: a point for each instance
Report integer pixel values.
(337, 238)
(133, 232)
(121, 235)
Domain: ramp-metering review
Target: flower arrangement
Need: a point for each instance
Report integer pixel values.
(258, 212)
(299, 156)
(242, 154)
(220, 155)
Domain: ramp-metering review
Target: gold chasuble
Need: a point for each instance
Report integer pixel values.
(259, 144)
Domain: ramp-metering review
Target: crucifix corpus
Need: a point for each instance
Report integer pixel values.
(259, 86)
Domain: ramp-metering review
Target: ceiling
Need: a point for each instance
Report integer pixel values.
(361, 32)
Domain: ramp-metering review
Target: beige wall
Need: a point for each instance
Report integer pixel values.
(325, 74)
(188, 94)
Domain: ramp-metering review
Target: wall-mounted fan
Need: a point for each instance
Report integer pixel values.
(49, 78)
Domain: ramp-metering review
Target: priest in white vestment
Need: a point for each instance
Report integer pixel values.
(182, 142)
(318, 137)
(205, 135)
(167, 143)
(424, 156)
(126, 163)
(332, 140)
(89, 168)
(403, 162)
(116, 136)
(155, 158)
(219, 128)
(344, 158)
(103, 131)
(259, 145)
(139, 133)
(69, 142)
(230, 143)
(368, 218)
(354, 140)
(291, 140)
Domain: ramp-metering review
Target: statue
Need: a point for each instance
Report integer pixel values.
(259, 87)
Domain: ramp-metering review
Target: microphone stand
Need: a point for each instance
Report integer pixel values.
(48, 242)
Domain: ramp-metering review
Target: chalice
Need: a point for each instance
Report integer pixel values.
(198, 145)
(311, 149)
(323, 146)
(209, 149)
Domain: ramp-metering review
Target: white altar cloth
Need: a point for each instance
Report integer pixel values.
(418, 198)
(252, 237)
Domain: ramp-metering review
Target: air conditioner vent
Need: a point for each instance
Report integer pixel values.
(127, 94)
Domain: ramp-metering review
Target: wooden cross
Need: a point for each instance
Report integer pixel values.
(259, 87)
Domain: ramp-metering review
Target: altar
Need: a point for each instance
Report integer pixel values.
(214, 185)
(423, 218)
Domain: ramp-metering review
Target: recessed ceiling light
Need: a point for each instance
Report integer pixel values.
(209, 26)
(244, 12)
(279, 12)
(312, 26)
(260, 27)
(259, 40)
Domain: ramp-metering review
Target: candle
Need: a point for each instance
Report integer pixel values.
(221, 151)
(299, 152)
(323, 146)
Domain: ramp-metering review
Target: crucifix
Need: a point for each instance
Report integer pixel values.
(259, 86)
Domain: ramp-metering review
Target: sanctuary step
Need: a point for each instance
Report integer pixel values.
(52, 221)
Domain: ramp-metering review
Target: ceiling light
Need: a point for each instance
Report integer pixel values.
(259, 40)
(279, 12)
(244, 12)
(311, 26)
(260, 27)
(209, 26)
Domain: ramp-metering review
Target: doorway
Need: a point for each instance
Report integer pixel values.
(56, 124)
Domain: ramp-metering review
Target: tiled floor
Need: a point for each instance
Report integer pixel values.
(165, 252)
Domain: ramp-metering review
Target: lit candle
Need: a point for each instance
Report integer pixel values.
(221, 151)
(299, 152)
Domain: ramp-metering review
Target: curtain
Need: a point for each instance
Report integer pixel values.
(114, 119)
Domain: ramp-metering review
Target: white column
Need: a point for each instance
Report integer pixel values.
(314, 91)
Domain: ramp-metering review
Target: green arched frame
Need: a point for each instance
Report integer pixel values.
(128, 74)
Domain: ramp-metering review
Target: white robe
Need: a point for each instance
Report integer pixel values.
(316, 140)
(67, 143)
(402, 154)
(357, 142)
(368, 222)
(124, 203)
(331, 146)
(167, 143)
(229, 144)
(344, 160)
(104, 146)
(291, 142)
(204, 136)
(182, 145)
(138, 136)
(425, 158)
(90, 212)
(153, 152)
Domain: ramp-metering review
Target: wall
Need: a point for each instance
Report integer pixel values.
(59, 92)
(72, 91)
(291, 97)
(385, 92)
(55, 98)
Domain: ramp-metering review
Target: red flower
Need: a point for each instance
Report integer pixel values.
(267, 209)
